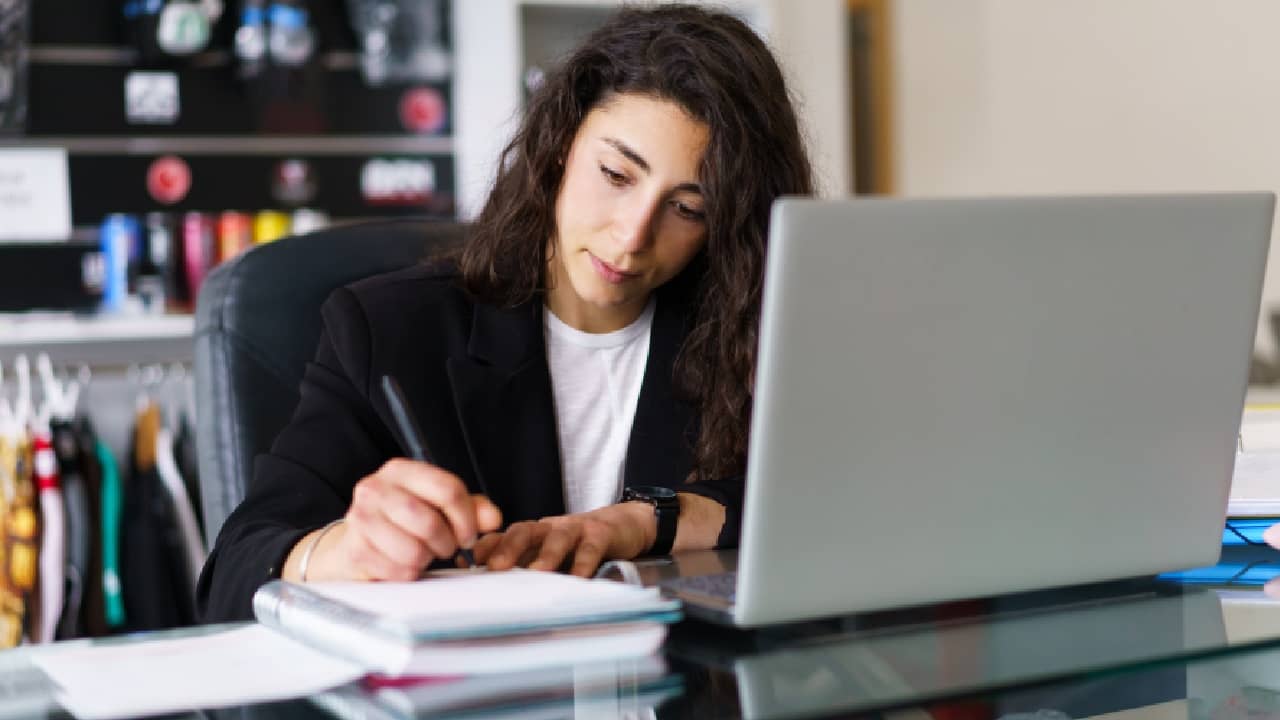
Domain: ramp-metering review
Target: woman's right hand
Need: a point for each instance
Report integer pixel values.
(402, 517)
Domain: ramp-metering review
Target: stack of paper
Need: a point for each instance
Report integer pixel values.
(470, 623)
(481, 637)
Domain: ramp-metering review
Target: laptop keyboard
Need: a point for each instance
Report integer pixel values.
(721, 585)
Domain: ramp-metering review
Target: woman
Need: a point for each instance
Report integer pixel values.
(597, 332)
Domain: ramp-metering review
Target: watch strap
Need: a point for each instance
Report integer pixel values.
(667, 511)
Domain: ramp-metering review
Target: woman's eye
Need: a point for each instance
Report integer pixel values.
(612, 175)
(687, 212)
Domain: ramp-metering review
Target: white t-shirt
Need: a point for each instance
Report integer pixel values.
(595, 380)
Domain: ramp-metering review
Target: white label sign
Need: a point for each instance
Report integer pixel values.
(397, 182)
(35, 198)
(151, 97)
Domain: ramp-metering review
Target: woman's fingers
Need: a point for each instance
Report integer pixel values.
(414, 517)
(408, 514)
(442, 490)
(485, 547)
(580, 541)
(577, 543)
(511, 544)
(364, 548)
(591, 549)
(559, 541)
(488, 516)
(518, 546)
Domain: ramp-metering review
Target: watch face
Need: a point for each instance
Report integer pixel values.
(652, 491)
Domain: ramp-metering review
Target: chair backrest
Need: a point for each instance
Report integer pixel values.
(257, 325)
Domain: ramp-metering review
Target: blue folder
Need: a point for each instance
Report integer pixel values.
(1245, 561)
(1252, 574)
(1246, 531)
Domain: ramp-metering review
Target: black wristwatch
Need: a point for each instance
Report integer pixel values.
(666, 507)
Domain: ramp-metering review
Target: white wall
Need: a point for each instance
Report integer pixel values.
(810, 38)
(1051, 96)
(807, 35)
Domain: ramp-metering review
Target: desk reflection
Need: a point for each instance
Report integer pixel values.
(969, 647)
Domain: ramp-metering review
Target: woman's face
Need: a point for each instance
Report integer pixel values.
(630, 213)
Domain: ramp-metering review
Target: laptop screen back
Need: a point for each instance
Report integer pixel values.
(964, 397)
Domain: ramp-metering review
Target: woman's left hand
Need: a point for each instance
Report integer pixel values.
(621, 531)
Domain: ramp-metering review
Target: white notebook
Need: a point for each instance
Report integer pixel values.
(470, 622)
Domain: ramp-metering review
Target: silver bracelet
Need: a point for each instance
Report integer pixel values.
(311, 547)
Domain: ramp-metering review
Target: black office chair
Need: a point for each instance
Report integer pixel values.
(257, 324)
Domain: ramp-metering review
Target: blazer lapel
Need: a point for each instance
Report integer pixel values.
(503, 394)
(659, 450)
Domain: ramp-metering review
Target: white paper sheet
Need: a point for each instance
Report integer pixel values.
(35, 200)
(235, 667)
(459, 599)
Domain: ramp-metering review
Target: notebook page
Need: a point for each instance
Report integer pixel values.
(564, 646)
(490, 597)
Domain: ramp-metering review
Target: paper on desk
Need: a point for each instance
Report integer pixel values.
(1255, 481)
(236, 667)
(460, 602)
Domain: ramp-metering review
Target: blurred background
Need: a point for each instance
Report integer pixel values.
(143, 142)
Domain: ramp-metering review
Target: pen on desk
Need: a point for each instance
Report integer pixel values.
(411, 434)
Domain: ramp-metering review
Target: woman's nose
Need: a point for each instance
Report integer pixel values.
(634, 224)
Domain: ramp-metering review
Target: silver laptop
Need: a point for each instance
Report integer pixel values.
(967, 397)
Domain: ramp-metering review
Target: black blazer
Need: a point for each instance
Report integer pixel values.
(476, 377)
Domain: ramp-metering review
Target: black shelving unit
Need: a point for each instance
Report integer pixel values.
(232, 133)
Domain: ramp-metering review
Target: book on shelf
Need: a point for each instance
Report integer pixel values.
(464, 623)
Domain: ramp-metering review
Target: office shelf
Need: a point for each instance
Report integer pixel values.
(97, 340)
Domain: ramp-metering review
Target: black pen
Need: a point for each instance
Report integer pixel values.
(414, 441)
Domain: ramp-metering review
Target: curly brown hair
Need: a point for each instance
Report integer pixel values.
(720, 72)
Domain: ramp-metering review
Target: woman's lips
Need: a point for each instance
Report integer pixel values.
(610, 273)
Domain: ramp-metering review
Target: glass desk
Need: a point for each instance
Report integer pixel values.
(1138, 648)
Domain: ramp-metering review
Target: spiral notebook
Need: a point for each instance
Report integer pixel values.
(470, 622)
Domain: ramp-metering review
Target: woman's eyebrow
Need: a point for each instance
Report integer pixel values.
(627, 152)
(635, 157)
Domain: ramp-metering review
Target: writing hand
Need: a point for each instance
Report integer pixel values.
(402, 517)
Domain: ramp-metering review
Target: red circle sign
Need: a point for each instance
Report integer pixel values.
(422, 110)
(168, 179)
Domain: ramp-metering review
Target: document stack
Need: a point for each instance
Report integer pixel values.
(470, 623)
